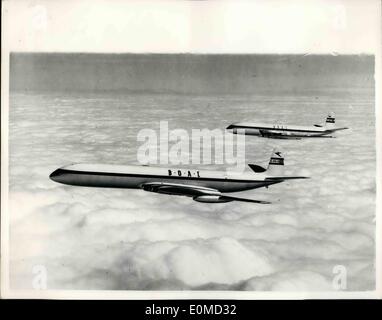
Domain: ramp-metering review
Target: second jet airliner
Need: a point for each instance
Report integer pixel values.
(282, 131)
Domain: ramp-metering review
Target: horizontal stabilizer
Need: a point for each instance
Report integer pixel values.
(257, 168)
(286, 178)
(337, 129)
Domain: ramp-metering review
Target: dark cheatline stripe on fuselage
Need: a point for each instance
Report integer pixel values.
(279, 129)
(99, 173)
(89, 179)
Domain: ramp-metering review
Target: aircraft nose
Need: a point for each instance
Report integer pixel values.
(56, 174)
(231, 126)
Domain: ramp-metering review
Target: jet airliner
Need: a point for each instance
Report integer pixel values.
(280, 131)
(201, 185)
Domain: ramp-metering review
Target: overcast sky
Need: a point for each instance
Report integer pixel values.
(185, 73)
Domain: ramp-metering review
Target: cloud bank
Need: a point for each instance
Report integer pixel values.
(132, 240)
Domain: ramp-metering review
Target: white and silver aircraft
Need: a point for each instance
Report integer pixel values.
(282, 131)
(202, 186)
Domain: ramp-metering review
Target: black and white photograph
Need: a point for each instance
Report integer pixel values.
(157, 152)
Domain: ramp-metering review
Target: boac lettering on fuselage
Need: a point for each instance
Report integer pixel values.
(185, 173)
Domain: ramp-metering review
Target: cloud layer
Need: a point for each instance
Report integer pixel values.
(128, 239)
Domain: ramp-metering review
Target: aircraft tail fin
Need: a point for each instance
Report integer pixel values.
(330, 122)
(276, 164)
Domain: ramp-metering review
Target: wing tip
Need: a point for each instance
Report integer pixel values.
(245, 200)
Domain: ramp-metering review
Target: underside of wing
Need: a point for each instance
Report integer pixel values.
(198, 193)
(179, 189)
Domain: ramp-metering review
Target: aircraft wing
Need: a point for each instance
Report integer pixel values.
(229, 198)
(277, 135)
(198, 193)
(178, 189)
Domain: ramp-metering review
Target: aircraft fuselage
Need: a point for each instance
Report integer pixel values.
(279, 131)
(133, 177)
